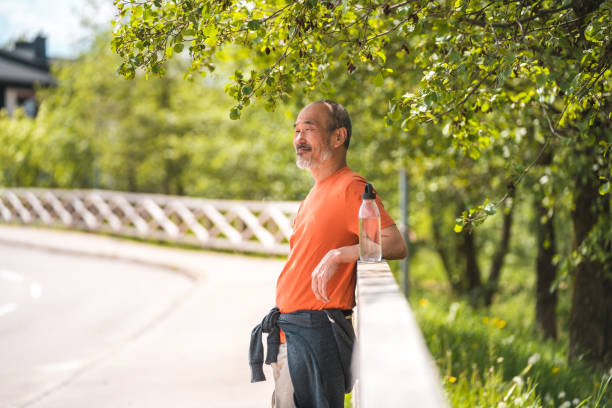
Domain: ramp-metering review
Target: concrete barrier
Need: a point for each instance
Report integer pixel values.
(392, 362)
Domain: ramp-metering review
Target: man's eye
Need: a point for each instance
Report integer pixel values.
(304, 131)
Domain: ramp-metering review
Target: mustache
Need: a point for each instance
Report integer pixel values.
(303, 146)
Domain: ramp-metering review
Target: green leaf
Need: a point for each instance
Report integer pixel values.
(396, 115)
(254, 24)
(430, 98)
(458, 228)
(234, 114)
(604, 188)
(503, 75)
(490, 209)
(379, 80)
(179, 47)
(210, 31)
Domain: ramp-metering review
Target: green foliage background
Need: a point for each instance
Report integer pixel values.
(97, 130)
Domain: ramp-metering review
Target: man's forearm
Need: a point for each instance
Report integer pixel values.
(347, 254)
(393, 247)
(393, 244)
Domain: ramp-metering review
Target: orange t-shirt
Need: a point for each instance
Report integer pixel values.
(327, 219)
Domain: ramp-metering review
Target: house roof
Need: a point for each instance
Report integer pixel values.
(17, 70)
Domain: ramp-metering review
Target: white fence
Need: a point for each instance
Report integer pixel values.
(221, 224)
(392, 362)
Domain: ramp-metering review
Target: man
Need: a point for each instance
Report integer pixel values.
(315, 292)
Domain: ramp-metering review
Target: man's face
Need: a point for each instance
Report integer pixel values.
(311, 137)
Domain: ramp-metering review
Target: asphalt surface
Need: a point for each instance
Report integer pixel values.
(91, 321)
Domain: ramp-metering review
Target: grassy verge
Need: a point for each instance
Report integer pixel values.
(493, 357)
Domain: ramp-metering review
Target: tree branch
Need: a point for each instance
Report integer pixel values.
(465, 98)
(265, 19)
(552, 128)
(534, 16)
(401, 23)
(391, 8)
(282, 57)
(512, 186)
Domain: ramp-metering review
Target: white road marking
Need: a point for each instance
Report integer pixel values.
(35, 290)
(11, 276)
(69, 365)
(8, 308)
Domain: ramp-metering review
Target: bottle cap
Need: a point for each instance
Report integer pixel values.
(369, 193)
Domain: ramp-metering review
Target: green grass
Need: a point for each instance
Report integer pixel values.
(494, 357)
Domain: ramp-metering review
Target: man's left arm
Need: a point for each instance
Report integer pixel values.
(393, 244)
(393, 247)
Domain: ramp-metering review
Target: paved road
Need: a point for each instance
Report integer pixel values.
(89, 321)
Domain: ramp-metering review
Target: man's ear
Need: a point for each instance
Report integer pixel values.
(339, 137)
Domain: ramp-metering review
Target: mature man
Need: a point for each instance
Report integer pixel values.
(315, 292)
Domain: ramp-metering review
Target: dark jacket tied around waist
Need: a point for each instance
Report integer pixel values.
(319, 351)
(267, 325)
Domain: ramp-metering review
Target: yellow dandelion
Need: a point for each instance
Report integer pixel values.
(485, 320)
(452, 379)
(500, 324)
(423, 302)
(555, 370)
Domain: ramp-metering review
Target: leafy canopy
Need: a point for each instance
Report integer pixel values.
(468, 50)
(474, 61)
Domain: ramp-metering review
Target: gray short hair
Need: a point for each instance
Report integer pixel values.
(339, 118)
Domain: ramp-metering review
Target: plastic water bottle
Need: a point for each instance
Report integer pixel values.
(370, 249)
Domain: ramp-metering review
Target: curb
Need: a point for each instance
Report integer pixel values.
(188, 273)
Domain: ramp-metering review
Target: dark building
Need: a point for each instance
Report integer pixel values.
(20, 70)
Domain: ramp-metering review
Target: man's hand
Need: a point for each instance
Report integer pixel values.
(393, 247)
(328, 267)
(323, 273)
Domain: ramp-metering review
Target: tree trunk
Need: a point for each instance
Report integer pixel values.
(131, 177)
(498, 259)
(590, 322)
(546, 300)
(442, 250)
(472, 270)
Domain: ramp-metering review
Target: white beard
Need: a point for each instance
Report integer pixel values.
(303, 163)
(307, 163)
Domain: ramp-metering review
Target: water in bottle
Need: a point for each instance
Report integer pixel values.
(370, 249)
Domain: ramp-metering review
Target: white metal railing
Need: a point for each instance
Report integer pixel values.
(391, 361)
(254, 226)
